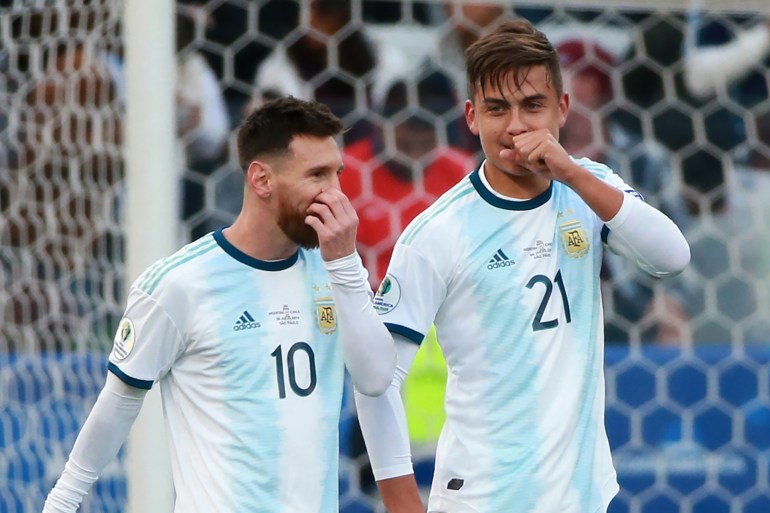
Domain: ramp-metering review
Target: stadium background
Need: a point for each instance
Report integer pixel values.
(688, 401)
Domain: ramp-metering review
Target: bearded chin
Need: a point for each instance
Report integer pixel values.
(293, 225)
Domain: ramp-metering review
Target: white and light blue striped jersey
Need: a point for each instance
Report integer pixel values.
(513, 289)
(250, 372)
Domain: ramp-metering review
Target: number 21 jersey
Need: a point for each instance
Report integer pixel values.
(513, 289)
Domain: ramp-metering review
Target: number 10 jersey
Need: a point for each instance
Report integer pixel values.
(250, 373)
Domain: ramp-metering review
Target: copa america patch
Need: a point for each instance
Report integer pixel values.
(124, 339)
(388, 295)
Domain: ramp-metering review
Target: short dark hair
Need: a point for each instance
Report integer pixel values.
(271, 127)
(514, 46)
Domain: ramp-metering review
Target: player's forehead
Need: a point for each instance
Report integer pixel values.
(518, 83)
(311, 151)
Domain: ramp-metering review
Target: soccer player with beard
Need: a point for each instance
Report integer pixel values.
(247, 331)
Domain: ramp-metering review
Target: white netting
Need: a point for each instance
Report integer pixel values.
(689, 427)
(61, 169)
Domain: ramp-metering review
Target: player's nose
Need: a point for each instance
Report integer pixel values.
(516, 124)
(335, 182)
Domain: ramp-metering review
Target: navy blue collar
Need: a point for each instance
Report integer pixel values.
(497, 201)
(275, 265)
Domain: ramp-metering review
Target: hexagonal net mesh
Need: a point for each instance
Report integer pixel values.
(675, 101)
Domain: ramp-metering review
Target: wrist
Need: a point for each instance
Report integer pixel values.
(348, 271)
(573, 175)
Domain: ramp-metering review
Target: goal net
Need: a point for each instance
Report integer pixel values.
(673, 95)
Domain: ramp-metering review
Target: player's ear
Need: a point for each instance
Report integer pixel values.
(258, 177)
(470, 117)
(563, 109)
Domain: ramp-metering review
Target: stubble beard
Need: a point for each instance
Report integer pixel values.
(292, 223)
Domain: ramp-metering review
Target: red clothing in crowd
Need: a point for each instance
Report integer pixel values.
(387, 203)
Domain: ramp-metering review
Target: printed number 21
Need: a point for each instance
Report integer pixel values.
(299, 390)
(537, 323)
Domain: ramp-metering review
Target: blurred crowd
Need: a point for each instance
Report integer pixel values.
(677, 104)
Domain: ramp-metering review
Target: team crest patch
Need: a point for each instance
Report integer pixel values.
(124, 339)
(325, 315)
(388, 295)
(574, 239)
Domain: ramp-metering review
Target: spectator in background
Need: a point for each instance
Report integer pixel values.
(202, 121)
(465, 23)
(59, 234)
(299, 69)
(732, 64)
(726, 64)
(398, 172)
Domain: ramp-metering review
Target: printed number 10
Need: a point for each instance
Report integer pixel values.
(296, 387)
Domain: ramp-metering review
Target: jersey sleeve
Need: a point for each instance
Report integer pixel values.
(410, 294)
(147, 342)
(606, 174)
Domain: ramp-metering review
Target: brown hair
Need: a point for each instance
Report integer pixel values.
(513, 47)
(270, 128)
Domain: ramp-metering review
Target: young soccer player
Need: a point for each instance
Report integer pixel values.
(246, 331)
(506, 264)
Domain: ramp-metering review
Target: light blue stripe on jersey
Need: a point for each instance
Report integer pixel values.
(330, 388)
(597, 169)
(257, 461)
(582, 291)
(463, 188)
(148, 282)
(508, 345)
(255, 458)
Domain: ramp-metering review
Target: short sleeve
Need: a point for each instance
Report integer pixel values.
(146, 344)
(410, 295)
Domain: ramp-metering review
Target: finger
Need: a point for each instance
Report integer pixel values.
(510, 155)
(323, 212)
(346, 203)
(320, 228)
(337, 201)
(314, 223)
(531, 148)
(340, 206)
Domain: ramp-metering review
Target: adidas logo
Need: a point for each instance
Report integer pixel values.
(499, 260)
(246, 322)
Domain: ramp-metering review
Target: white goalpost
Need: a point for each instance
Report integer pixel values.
(151, 216)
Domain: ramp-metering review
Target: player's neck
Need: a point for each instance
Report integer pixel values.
(521, 187)
(260, 238)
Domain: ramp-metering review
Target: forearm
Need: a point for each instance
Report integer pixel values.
(649, 238)
(383, 421)
(604, 199)
(401, 495)
(368, 347)
(383, 424)
(102, 435)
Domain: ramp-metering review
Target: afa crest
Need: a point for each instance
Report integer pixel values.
(326, 315)
(574, 239)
